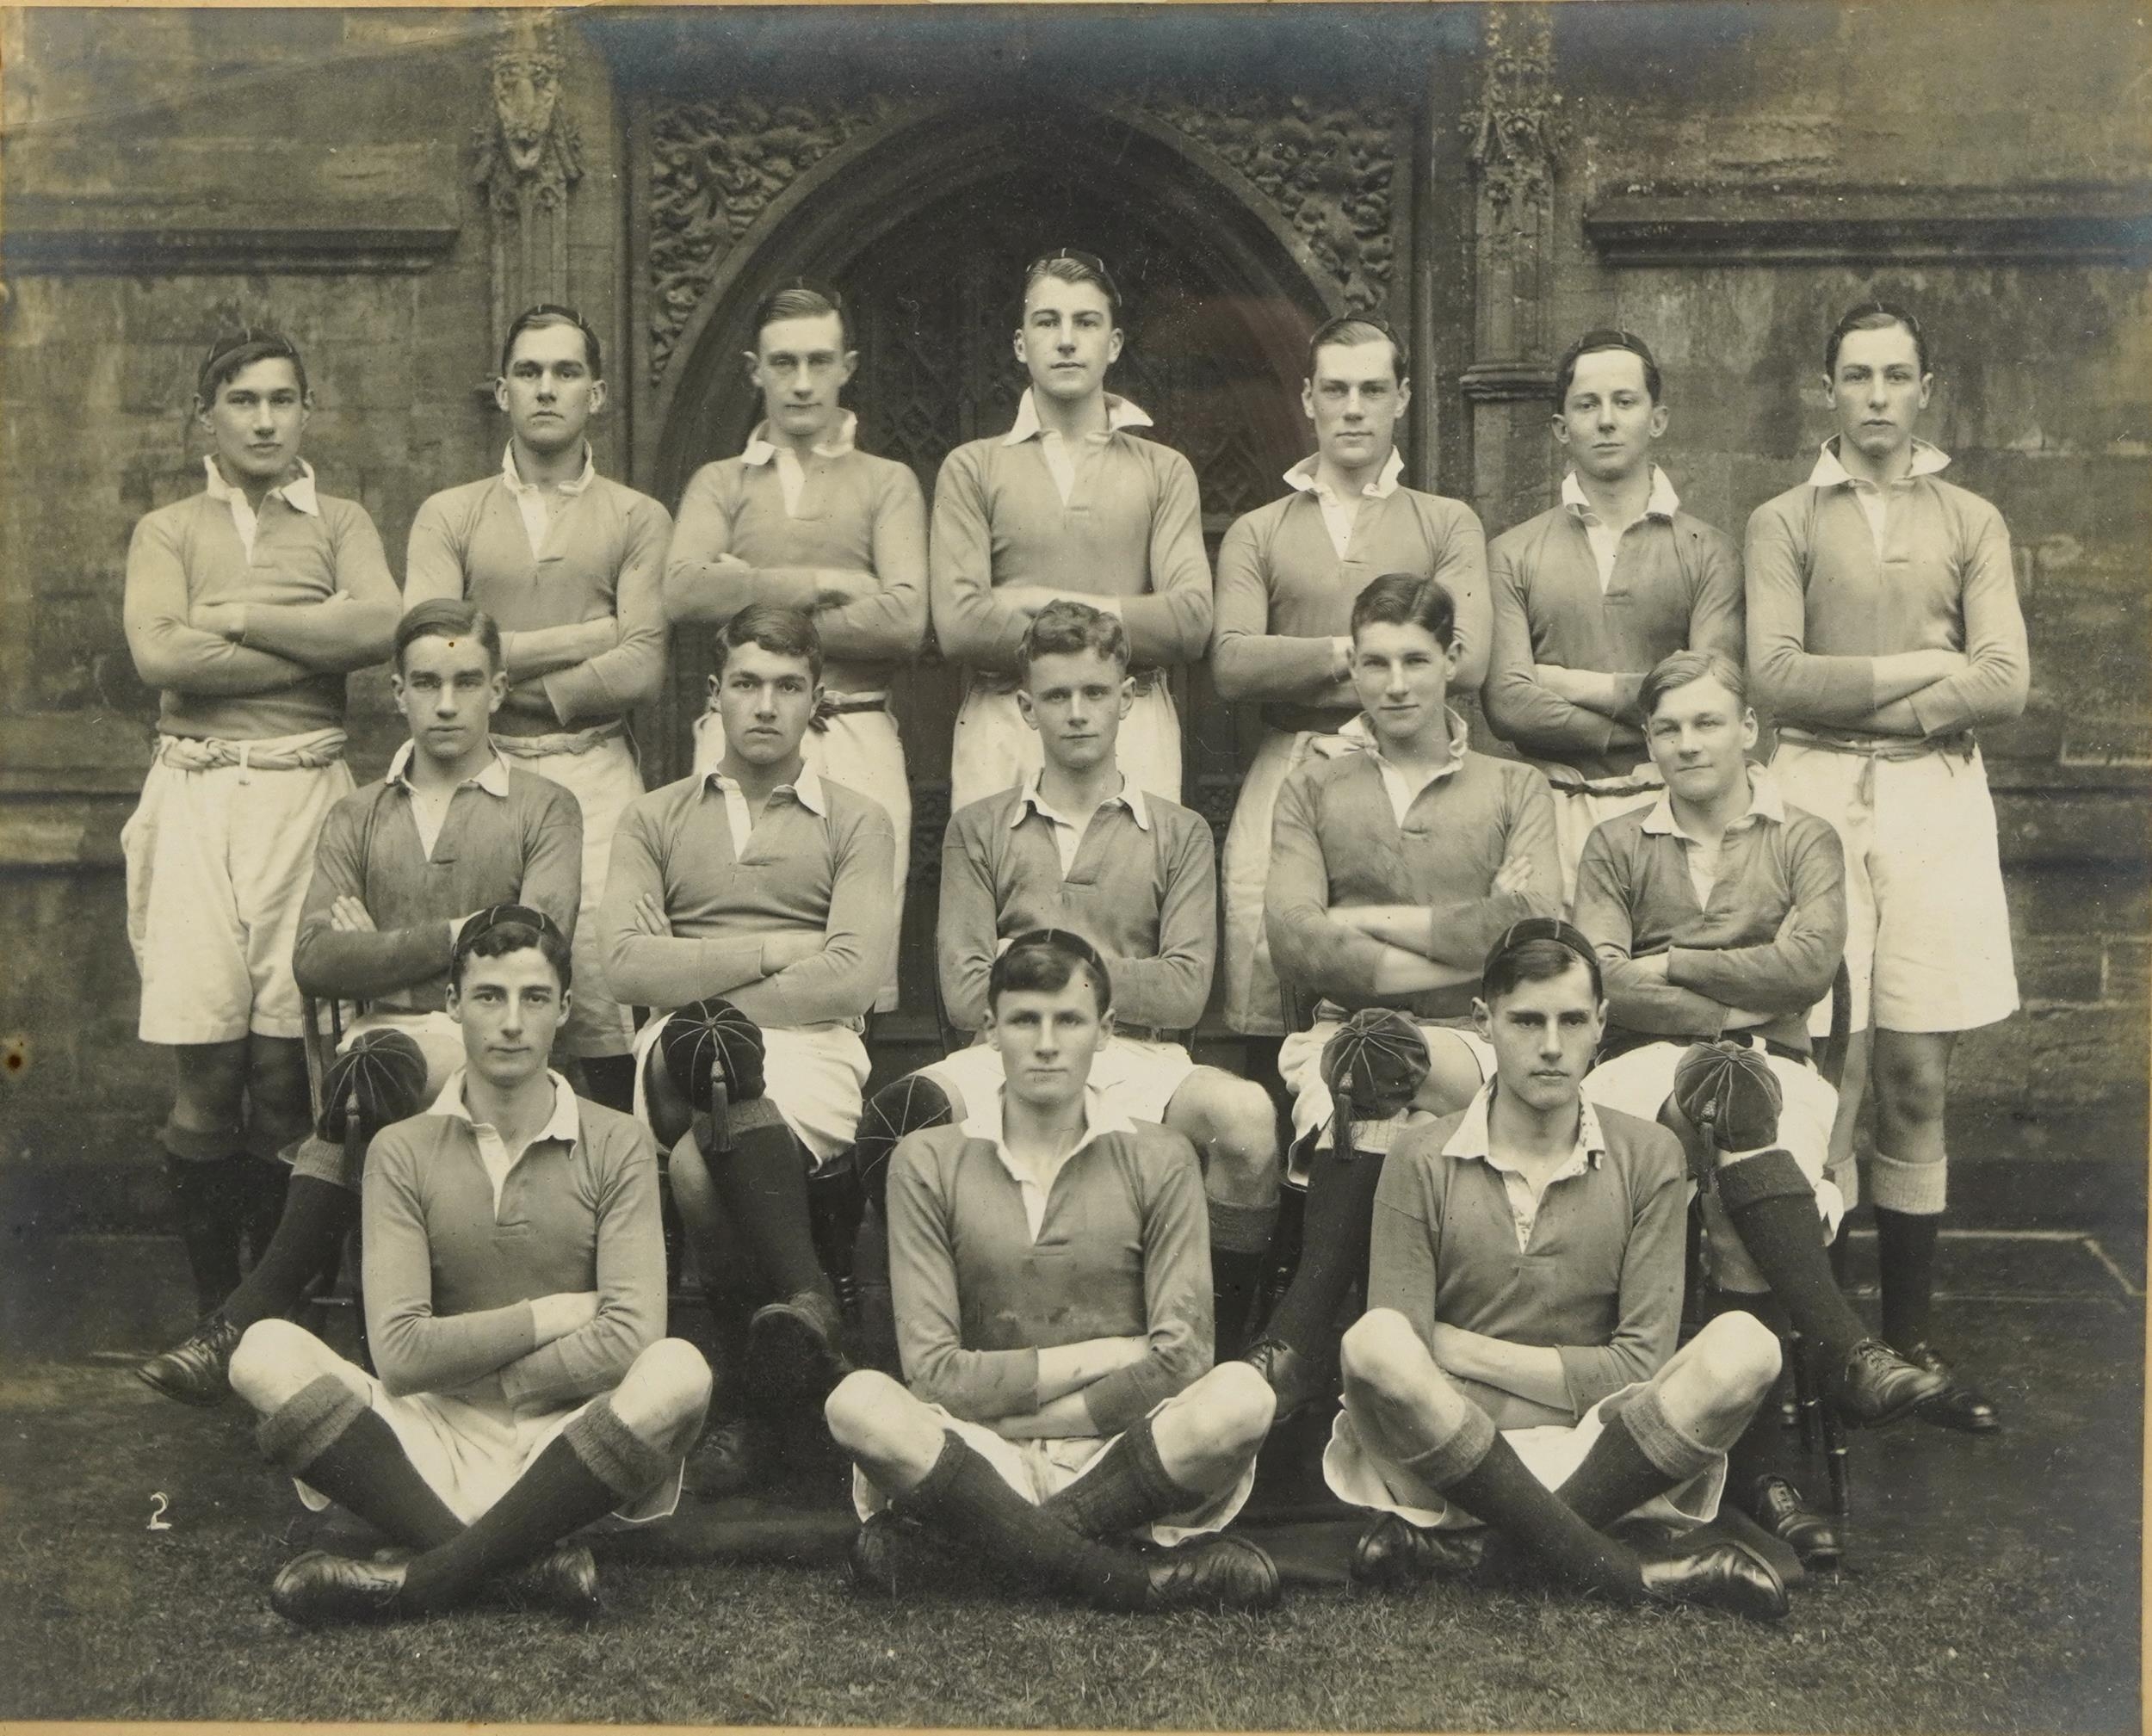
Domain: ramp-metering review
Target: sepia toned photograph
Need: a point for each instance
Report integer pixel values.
(1133, 867)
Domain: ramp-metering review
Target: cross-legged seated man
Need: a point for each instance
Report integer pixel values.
(1393, 866)
(1080, 846)
(768, 886)
(1516, 1367)
(1052, 1305)
(518, 1400)
(1719, 915)
(453, 828)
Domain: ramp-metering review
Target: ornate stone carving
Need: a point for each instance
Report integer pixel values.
(715, 168)
(1515, 131)
(1328, 171)
(529, 154)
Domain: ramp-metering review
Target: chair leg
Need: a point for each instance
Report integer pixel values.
(1821, 1424)
(1806, 1404)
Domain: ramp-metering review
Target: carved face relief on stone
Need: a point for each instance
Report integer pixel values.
(526, 88)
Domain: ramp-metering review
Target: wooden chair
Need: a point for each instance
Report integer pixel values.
(324, 1022)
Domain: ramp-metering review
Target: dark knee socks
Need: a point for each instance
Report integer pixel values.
(1334, 1254)
(597, 1464)
(1240, 1248)
(318, 1215)
(964, 1495)
(761, 1181)
(201, 1193)
(1772, 1208)
(1641, 1452)
(1128, 1486)
(1905, 1259)
(328, 1439)
(1481, 1473)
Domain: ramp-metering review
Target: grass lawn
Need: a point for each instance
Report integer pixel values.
(1994, 1585)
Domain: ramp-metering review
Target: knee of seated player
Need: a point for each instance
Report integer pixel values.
(688, 1173)
(1453, 1075)
(1737, 1356)
(1235, 1120)
(275, 1360)
(1382, 1354)
(1235, 1407)
(865, 1412)
(667, 1387)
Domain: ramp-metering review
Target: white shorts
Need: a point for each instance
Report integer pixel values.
(470, 1454)
(1039, 1470)
(993, 748)
(218, 864)
(440, 1040)
(1252, 1005)
(1579, 811)
(816, 1077)
(862, 751)
(1299, 1065)
(1639, 1080)
(1362, 1477)
(604, 780)
(1927, 938)
(1138, 1078)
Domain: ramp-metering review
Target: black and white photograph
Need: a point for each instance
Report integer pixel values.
(1076, 866)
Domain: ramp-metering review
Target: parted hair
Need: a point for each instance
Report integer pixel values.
(549, 313)
(1604, 337)
(785, 632)
(235, 350)
(1044, 961)
(1875, 316)
(505, 937)
(449, 617)
(1069, 266)
(1357, 328)
(802, 301)
(1408, 599)
(1679, 669)
(1068, 629)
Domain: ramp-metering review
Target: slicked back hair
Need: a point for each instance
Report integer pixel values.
(241, 349)
(504, 938)
(1604, 337)
(803, 301)
(1875, 316)
(784, 632)
(449, 617)
(1068, 629)
(548, 313)
(1537, 961)
(1355, 329)
(1680, 668)
(1044, 961)
(1069, 266)
(1408, 599)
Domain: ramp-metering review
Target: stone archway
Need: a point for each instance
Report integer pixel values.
(924, 218)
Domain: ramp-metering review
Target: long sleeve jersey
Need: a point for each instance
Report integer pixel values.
(1142, 889)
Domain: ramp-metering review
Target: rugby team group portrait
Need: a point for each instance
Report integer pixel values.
(1575, 1008)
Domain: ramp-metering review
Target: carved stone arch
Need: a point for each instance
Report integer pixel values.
(874, 169)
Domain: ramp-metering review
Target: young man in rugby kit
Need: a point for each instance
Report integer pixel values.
(1883, 629)
(1052, 1293)
(1719, 917)
(1516, 1367)
(1079, 846)
(517, 1401)
(1287, 573)
(1594, 591)
(803, 519)
(572, 564)
(246, 606)
(764, 886)
(453, 828)
(1070, 502)
(1394, 866)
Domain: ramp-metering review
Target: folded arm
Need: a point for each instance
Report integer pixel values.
(1176, 1304)
(1169, 624)
(1995, 684)
(1792, 971)
(1168, 989)
(335, 962)
(1521, 707)
(980, 1386)
(619, 677)
(649, 968)
(887, 617)
(1249, 661)
(839, 978)
(972, 624)
(1639, 998)
(1648, 1309)
(169, 650)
